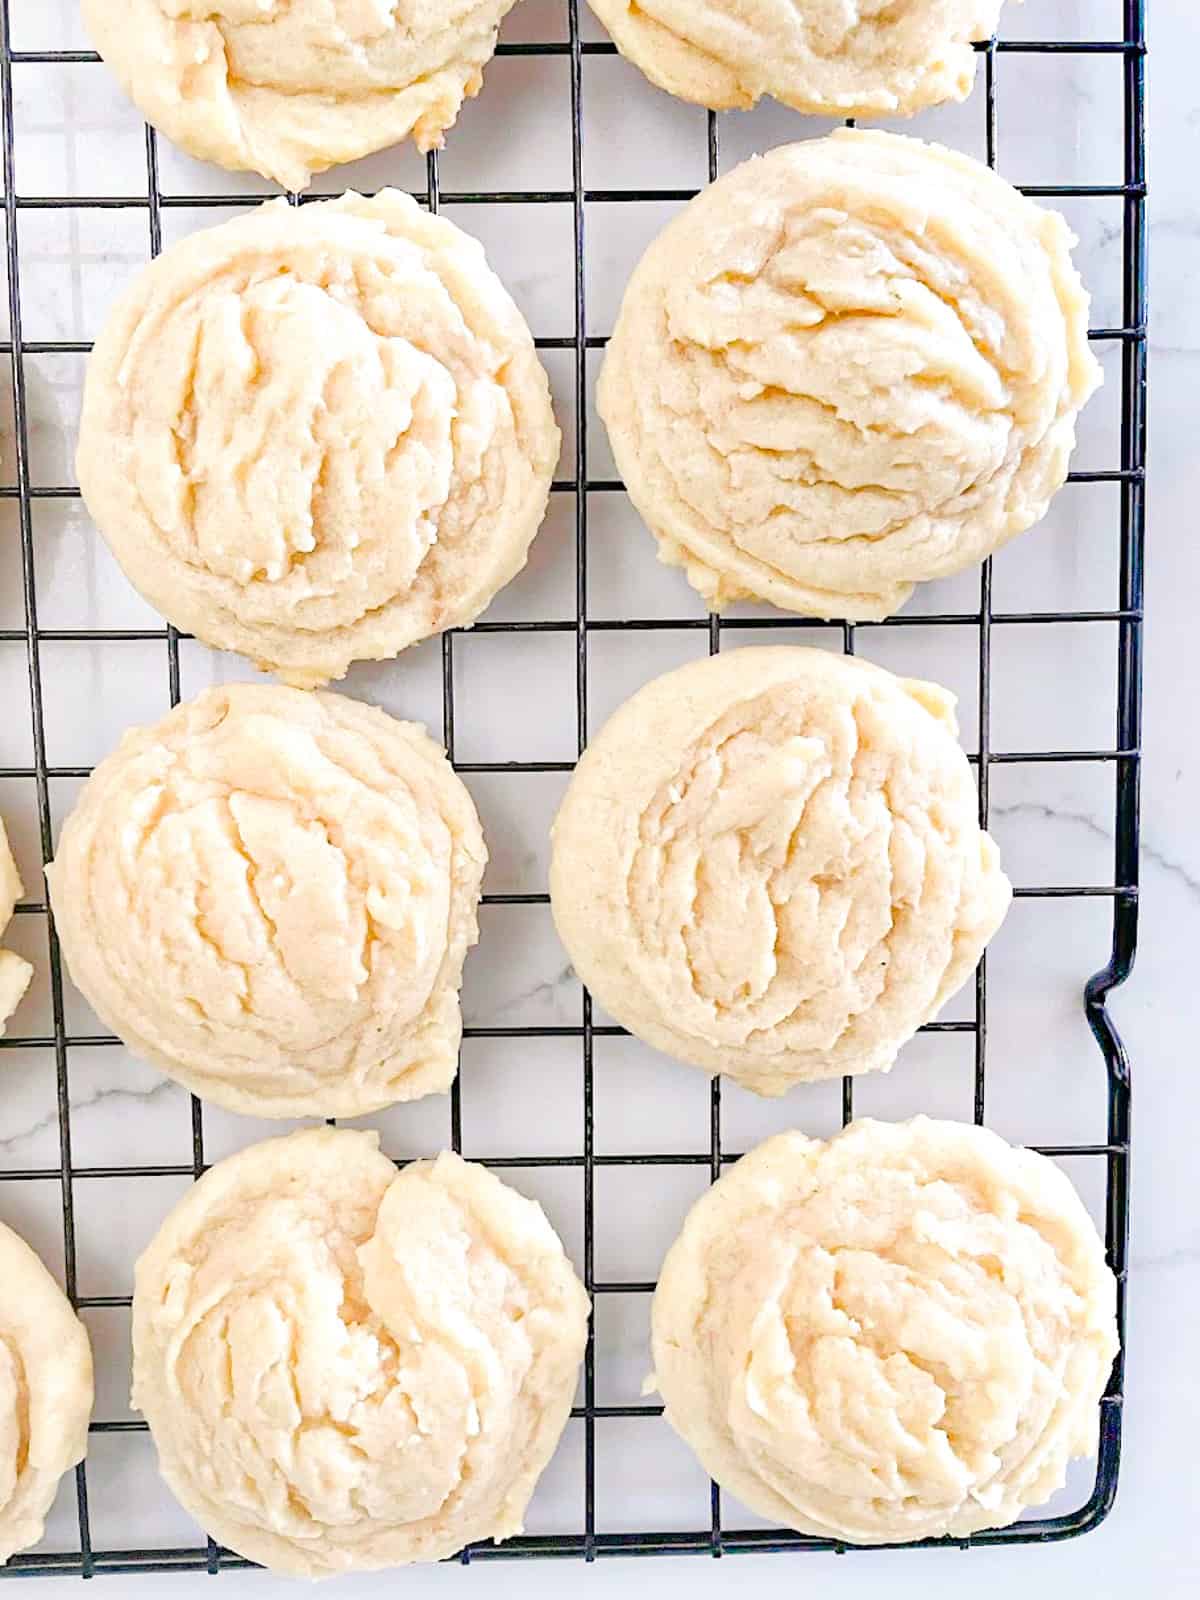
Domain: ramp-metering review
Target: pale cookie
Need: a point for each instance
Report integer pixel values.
(45, 1392)
(768, 863)
(318, 435)
(345, 1367)
(289, 87)
(899, 1334)
(841, 58)
(847, 367)
(269, 894)
(15, 971)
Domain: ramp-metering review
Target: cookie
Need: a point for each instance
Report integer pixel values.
(45, 1393)
(768, 863)
(877, 58)
(345, 1367)
(288, 88)
(15, 971)
(846, 368)
(318, 435)
(901, 1333)
(269, 895)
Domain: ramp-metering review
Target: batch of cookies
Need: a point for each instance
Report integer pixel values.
(318, 434)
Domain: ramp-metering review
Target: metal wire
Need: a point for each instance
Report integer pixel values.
(709, 1535)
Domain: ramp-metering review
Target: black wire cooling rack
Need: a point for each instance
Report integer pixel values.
(709, 1534)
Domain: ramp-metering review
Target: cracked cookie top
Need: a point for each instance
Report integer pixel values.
(269, 894)
(769, 864)
(345, 1367)
(318, 435)
(840, 58)
(900, 1333)
(45, 1392)
(288, 88)
(849, 366)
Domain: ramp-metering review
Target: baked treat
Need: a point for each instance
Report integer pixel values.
(898, 1334)
(847, 367)
(45, 1393)
(768, 863)
(290, 87)
(269, 894)
(318, 435)
(15, 971)
(345, 1367)
(878, 58)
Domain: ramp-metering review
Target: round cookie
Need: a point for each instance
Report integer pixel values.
(768, 863)
(849, 366)
(345, 1367)
(899, 1334)
(269, 894)
(45, 1393)
(317, 435)
(289, 87)
(880, 58)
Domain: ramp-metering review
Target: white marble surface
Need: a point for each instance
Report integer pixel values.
(1059, 122)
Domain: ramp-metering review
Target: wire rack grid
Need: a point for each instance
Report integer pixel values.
(709, 1534)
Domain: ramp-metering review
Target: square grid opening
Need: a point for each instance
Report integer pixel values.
(595, 160)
